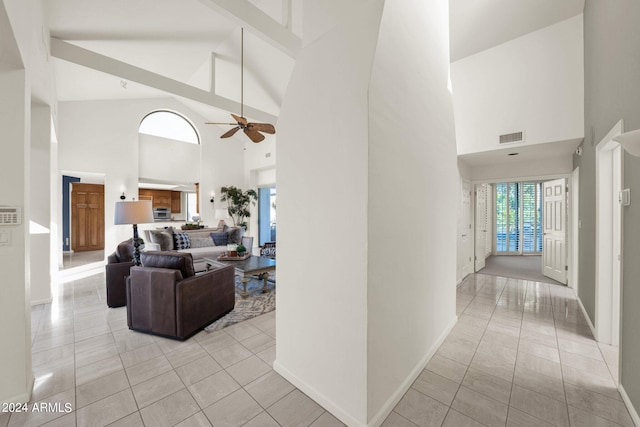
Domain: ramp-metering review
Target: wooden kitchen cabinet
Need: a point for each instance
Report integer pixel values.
(176, 202)
(159, 198)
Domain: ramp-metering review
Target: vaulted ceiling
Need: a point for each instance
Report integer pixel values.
(168, 41)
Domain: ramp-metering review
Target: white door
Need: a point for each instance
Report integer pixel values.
(481, 226)
(554, 230)
(465, 230)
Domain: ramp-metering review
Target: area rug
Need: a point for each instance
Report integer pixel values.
(254, 305)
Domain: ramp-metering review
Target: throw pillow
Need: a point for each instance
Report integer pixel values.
(181, 240)
(235, 235)
(201, 242)
(164, 239)
(220, 239)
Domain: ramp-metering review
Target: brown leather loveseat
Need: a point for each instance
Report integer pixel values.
(165, 297)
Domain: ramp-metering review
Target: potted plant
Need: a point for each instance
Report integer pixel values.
(241, 250)
(238, 202)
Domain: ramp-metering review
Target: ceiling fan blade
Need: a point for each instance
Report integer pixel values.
(255, 136)
(231, 132)
(262, 127)
(216, 123)
(239, 119)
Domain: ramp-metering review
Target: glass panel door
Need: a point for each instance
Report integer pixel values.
(518, 217)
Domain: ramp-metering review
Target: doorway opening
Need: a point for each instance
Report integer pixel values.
(510, 220)
(83, 220)
(608, 237)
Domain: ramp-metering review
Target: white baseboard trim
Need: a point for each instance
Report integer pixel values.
(22, 397)
(391, 403)
(42, 301)
(393, 400)
(586, 315)
(629, 405)
(78, 273)
(318, 397)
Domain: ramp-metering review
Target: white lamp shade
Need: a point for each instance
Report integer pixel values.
(133, 212)
(222, 214)
(630, 141)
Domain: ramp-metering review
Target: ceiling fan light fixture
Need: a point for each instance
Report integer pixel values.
(252, 130)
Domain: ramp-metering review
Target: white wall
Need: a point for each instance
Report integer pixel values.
(102, 137)
(533, 84)
(322, 174)
(25, 74)
(40, 199)
(168, 160)
(412, 175)
(348, 347)
(15, 304)
(511, 170)
(260, 171)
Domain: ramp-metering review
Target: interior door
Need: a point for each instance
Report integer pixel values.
(481, 226)
(554, 230)
(87, 217)
(465, 236)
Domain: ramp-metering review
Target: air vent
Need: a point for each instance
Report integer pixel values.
(512, 137)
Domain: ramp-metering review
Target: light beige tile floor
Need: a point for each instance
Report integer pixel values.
(520, 355)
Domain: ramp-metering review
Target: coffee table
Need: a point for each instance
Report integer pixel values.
(253, 266)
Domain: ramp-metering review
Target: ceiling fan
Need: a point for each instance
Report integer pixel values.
(252, 130)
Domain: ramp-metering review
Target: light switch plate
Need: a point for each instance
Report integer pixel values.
(625, 197)
(5, 237)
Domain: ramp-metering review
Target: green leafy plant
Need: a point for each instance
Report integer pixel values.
(238, 203)
(241, 249)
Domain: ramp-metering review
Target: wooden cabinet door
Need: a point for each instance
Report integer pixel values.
(87, 217)
(176, 201)
(162, 199)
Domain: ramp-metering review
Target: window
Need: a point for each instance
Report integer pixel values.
(192, 206)
(518, 217)
(267, 214)
(167, 124)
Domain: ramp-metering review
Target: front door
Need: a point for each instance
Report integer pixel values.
(554, 230)
(87, 217)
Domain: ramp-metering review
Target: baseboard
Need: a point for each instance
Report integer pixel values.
(586, 315)
(23, 397)
(393, 400)
(42, 301)
(391, 403)
(318, 397)
(629, 405)
(81, 272)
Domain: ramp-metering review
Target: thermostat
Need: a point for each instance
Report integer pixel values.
(10, 216)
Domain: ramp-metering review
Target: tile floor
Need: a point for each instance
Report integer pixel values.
(77, 259)
(520, 355)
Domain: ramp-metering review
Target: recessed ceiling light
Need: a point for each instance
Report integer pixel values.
(513, 154)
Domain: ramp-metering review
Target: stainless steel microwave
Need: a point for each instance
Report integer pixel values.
(161, 214)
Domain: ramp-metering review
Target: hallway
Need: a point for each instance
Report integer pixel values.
(520, 355)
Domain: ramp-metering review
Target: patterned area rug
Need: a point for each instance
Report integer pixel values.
(254, 305)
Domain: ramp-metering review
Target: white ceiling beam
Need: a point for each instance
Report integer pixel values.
(80, 56)
(259, 23)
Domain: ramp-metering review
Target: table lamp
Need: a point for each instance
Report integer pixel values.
(134, 212)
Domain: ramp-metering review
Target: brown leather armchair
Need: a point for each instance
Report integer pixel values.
(165, 297)
(117, 271)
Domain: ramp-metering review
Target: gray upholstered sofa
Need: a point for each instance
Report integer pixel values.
(199, 243)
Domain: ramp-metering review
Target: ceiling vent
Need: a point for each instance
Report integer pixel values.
(512, 137)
